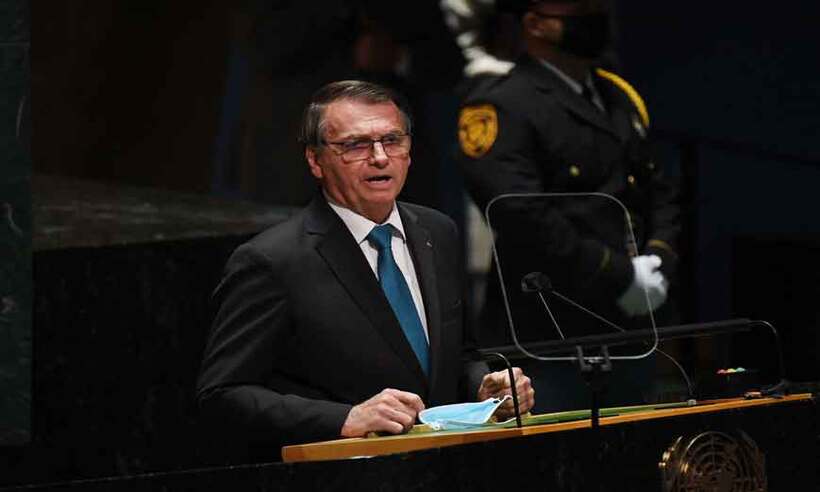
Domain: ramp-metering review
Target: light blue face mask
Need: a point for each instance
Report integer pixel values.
(461, 415)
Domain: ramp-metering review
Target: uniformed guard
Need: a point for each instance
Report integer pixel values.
(558, 123)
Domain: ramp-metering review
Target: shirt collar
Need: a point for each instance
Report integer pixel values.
(360, 226)
(572, 83)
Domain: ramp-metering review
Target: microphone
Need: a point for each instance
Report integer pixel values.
(539, 282)
(535, 282)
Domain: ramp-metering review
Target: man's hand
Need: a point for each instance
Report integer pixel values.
(390, 411)
(497, 384)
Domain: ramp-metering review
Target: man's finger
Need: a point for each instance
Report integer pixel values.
(408, 404)
(500, 379)
(394, 419)
(402, 417)
(523, 383)
(505, 376)
(388, 425)
(391, 408)
(492, 380)
(411, 400)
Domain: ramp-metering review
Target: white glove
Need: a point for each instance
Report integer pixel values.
(481, 63)
(466, 18)
(649, 283)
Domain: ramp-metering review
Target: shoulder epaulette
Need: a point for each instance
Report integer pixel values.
(630, 91)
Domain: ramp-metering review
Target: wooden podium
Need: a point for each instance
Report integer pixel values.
(754, 444)
(379, 446)
(727, 445)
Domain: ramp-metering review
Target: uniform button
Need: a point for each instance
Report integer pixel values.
(574, 171)
(651, 166)
(631, 179)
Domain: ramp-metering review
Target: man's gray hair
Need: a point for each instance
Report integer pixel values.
(313, 121)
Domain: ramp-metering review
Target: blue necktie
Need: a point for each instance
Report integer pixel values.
(398, 294)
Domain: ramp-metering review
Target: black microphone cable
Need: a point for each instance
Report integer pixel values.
(782, 386)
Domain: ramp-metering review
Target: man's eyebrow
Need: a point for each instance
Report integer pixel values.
(362, 136)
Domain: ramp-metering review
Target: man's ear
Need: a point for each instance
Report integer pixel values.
(312, 158)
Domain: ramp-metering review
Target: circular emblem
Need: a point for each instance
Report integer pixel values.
(714, 461)
(477, 129)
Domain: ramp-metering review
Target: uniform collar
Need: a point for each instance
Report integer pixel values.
(572, 83)
(547, 80)
(576, 86)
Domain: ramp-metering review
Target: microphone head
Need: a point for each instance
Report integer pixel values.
(535, 282)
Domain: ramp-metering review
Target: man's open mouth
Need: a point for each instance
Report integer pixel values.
(373, 179)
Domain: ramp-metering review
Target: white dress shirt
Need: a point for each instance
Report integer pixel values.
(360, 226)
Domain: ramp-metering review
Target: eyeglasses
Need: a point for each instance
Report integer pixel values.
(394, 145)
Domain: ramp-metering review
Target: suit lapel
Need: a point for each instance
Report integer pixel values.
(344, 257)
(546, 81)
(422, 250)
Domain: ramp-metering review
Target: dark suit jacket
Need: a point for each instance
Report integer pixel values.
(550, 139)
(304, 331)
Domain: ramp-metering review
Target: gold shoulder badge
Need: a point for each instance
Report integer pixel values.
(477, 129)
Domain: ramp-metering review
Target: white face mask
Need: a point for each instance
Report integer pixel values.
(461, 415)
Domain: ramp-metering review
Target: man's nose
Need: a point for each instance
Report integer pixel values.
(379, 155)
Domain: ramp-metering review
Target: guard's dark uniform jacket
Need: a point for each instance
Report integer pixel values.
(529, 132)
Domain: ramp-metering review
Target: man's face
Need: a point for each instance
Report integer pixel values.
(368, 186)
(575, 28)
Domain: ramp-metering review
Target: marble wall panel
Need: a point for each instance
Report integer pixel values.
(15, 226)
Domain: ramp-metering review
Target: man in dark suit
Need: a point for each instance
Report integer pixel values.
(556, 123)
(347, 318)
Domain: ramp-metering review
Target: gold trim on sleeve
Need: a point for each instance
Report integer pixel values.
(657, 243)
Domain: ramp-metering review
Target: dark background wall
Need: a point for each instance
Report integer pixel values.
(128, 91)
(734, 93)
